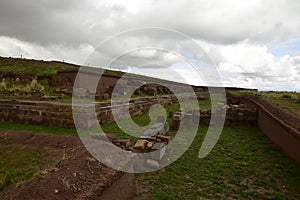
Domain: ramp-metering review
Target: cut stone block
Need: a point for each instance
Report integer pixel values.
(158, 151)
(122, 143)
(164, 138)
(149, 138)
(140, 144)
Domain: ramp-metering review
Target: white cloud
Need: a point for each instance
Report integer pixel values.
(246, 64)
(11, 47)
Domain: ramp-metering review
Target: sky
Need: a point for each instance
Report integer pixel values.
(253, 44)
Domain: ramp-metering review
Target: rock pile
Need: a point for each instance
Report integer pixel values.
(153, 139)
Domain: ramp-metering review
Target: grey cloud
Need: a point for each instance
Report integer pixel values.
(73, 22)
(68, 29)
(54, 21)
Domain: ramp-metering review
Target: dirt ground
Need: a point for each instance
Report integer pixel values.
(69, 173)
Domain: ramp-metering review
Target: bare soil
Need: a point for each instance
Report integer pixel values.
(69, 173)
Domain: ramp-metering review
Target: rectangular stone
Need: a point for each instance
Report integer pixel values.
(164, 138)
(122, 143)
(159, 150)
(140, 144)
(149, 138)
(150, 132)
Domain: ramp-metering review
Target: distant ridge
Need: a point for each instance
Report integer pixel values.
(51, 68)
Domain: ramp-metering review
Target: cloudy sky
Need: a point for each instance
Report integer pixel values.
(251, 43)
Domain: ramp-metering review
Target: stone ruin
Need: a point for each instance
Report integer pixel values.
(235, 114)
(153, 139)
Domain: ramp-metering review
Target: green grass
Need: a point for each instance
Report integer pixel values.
(39, 67)
(289, 101)
(17, 164)
(38, 128)
(243, 165)
(33, 67)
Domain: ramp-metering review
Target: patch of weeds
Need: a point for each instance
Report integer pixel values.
(38, 128)
(17, 164)
(286, 96)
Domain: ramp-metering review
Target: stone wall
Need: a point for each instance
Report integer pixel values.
(236, 115)
(60, 114)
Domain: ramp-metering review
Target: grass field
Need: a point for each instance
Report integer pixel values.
(18, 164)
(32, 67)
(243, 165)
(286, 100)
(38, 67)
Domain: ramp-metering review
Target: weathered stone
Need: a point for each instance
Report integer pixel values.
(122, 143)
(177, 116)
(153, 163)
(150, 132)
(140, 144)
(158, 151)
(149, 138)
(80, 92)
(234, 107)
(188, 119)
(164, 138)
(149, 145)
(159, 127)
(166, 127)
(201, 97)
(161, 119)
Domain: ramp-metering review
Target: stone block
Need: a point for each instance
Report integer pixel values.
(158, 151)
(159, 127)
(152, 163)
(164, 138)
(125, 144)
(166, 127)
(150, 132)
(149, 145)
(161, 119)
(188, 119)
(149, 138)
(140, 144)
